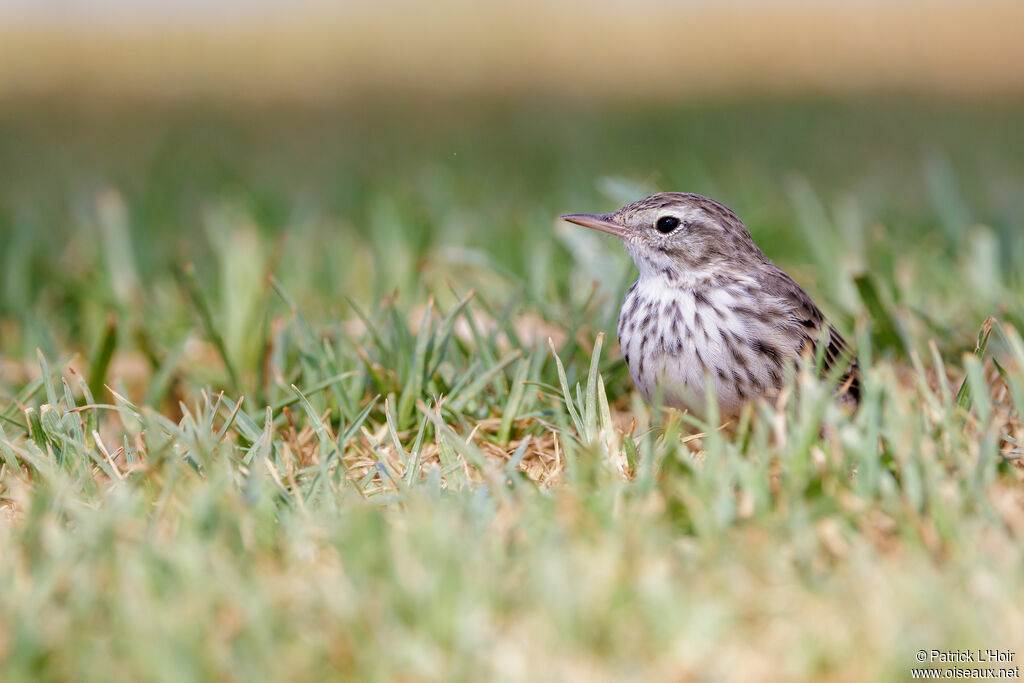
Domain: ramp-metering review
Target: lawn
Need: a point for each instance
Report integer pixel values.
(329, 393)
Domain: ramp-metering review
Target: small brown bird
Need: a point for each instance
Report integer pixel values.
(709, 304)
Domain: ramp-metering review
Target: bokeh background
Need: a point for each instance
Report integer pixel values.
(138, 137)
(267, 50)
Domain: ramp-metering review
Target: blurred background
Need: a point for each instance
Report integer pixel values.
(358, 150)
(270, 50)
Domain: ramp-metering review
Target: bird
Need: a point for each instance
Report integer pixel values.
(708, 306)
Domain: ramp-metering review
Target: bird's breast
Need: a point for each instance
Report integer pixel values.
(673, 338)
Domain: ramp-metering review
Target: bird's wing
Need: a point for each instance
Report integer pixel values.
(838, 355)
(812, 331)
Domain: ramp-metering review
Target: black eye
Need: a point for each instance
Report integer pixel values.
(667, 224)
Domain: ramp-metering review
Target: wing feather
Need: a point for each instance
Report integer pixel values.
(813, 331)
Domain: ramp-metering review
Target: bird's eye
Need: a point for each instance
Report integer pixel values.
(667, 224)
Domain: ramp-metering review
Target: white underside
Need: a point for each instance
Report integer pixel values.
(674, 373)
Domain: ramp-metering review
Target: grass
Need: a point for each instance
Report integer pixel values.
(314, 52)
(295, 412)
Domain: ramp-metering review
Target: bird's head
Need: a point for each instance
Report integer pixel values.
(677, 232)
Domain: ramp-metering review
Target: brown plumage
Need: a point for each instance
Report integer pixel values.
(708, 303)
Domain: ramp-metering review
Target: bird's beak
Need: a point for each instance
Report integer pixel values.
(602, 222)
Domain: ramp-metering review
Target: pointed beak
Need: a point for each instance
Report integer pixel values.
(602, 222)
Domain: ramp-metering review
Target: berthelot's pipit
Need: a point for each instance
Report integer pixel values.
(708, 304)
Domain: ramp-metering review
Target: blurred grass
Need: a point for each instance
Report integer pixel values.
(312, 426)
(413, 194)
(315, 51)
